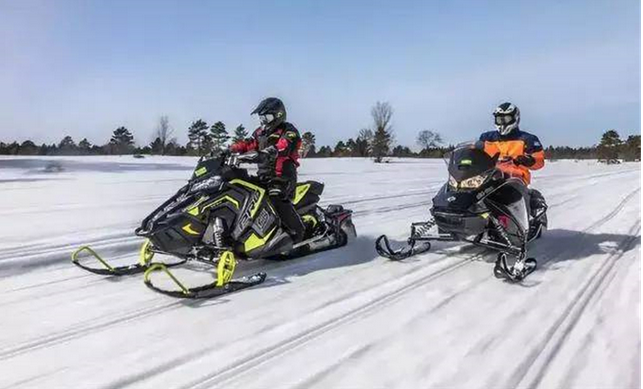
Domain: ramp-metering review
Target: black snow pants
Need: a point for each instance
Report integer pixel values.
(281, 191)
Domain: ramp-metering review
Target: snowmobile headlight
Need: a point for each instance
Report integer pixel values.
(211, 182)
(473, 182)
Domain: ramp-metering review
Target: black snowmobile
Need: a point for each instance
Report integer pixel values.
(482, 205)
(221, 215)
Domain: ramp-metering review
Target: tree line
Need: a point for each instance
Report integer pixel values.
(376, 141)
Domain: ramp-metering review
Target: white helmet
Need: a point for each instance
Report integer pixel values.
(506, 117)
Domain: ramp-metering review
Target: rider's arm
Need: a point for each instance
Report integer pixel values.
(534, 153)
(288, 143)
(244, 146)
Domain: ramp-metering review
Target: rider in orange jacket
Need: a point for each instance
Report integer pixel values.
(519, 151)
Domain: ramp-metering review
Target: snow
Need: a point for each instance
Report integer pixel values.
(345, 318)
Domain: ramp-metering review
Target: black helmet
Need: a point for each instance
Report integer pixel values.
(272, 113)
(506, 117)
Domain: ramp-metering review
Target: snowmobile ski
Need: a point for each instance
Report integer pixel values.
(383, 247)
(214, 289)
(515, 273)
(145, 257)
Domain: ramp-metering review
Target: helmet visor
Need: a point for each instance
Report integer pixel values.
(266, 119)
(502, 120)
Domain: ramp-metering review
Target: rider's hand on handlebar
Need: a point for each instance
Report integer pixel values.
(268, 153)
(524, 160)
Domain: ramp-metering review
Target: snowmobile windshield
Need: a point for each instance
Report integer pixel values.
(207, 167)
(469, 161)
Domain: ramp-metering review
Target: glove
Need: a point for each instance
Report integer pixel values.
(525, 160)
(267, 154)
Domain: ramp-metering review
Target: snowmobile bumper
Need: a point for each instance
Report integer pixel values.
(461, 224)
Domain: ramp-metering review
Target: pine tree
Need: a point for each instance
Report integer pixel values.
(122, 141)
(632, 148)
(307, 144)
(198, 135)
(219, 136)
(240, 134)
(84, 146)
(610, 145)
(28, 148)
(157, 146)
(67, 146)
(340, 149)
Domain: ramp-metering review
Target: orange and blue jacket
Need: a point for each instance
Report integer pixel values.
(511, 146)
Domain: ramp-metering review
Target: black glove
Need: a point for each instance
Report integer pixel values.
(525, 160)
(267, 154)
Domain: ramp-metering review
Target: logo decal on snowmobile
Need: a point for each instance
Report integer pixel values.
(262, 220)
(254, 241)
(201, 171)
(450, 199)
(188, 228)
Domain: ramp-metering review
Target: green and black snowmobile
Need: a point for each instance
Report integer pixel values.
(220, 216)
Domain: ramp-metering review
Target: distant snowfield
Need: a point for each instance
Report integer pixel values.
(340, 319)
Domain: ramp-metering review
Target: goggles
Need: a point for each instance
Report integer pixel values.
(266, 119)
(503, 119)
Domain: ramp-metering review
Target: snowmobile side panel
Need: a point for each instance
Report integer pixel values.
(254, 241)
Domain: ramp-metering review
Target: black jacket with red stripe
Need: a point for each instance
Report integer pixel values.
(285, 139)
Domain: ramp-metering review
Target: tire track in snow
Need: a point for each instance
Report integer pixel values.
(267, 354)
(301, 338)
(614, 212)
(84, 328)
(459, 292)
(532, 369)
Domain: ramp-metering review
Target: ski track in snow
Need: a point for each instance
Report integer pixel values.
(336, 319)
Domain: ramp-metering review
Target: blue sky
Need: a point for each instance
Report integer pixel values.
(84, 68)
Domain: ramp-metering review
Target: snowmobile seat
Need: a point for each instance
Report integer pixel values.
(307, 195)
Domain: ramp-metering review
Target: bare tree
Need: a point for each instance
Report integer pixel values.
(429, 139)
(164, 132)
(364, 142)
(382, 113)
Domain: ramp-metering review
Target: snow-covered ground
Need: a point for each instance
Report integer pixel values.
(340, 319)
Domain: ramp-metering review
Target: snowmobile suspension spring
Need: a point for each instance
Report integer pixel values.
(422, 228)
(501, 231)
(218, 232)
